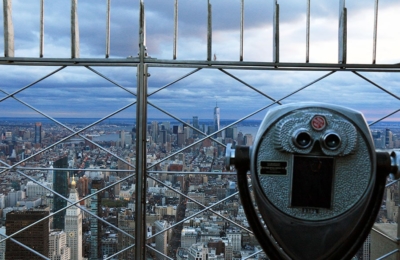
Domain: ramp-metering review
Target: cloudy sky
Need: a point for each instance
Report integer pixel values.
(79, 92)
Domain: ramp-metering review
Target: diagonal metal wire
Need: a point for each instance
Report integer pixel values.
(388, 115)
(110, 80)
(204, 173)
(158, 252)
(119, 252)
(67, 169)
(388, 254)
(376, 85)
(173, 82)
(28, 248)
(384, 90)
(254, 254)
(30, 85)
(391, 183)
(249, 86)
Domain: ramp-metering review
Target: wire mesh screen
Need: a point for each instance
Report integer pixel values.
(114, 123)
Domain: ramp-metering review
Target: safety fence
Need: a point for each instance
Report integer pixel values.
(141, 88)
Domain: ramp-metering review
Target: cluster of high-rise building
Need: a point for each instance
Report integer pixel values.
(385, 139)
(101, 183)
(76, 168)
(57, 236)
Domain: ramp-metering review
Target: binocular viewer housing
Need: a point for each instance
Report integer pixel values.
(317, 180)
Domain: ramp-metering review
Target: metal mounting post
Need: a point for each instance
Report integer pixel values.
(241, 29)
(141, 122)
(308, 32)
(8, 29)
(175, 29)
(41, 49)
(108, 28)
(342, 32)
(276, 33)
(375, 31)
(74, 29)
(209, 31)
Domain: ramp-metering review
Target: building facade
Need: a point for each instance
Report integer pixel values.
(35, 237)
(58, 249)
(73, 225)
(38, 133)
(217, 117)
(161, 239)
(60, 185)
(127, 224)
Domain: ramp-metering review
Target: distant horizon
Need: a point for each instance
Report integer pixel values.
(81, 119)
(40, 119)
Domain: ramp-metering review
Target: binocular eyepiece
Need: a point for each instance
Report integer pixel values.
(317, 179)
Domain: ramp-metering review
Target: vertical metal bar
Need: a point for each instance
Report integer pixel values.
(308, 32)
(241, 29)
(175, 28)
(141, 125)
(209, 31)
(276, 32)
(375, 32)
(108, 28)
(74, 29)
(8, 29)
(342, 32)
(41, 47)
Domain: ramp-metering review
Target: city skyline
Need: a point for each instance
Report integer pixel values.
(190, 171)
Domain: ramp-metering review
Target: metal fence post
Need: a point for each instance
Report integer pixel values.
(141, 123)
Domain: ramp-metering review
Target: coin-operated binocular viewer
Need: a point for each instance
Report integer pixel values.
(317, 180)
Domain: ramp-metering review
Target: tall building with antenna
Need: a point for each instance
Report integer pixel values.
(216, 118)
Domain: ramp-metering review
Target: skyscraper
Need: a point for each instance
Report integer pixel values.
(38, 133)
(154, 131)
(231, 132)
(388, 139)
(94, 242)
(161, 239)
(122, 138)
(35, 237)
(127, 224)
(196, 125)
(96, 226)
(216, 118)
(73, 224)
(60, 185)
(196, 122)
(58, 249)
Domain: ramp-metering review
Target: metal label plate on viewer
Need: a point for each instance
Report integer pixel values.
(273, 167)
